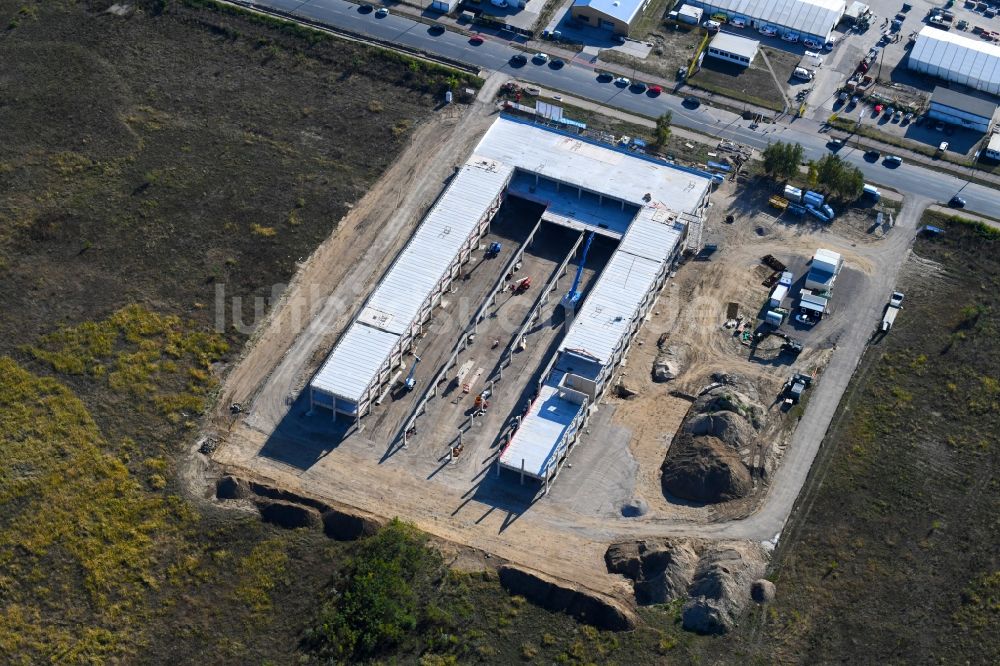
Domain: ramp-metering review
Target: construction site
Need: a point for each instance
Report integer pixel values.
(575, 346)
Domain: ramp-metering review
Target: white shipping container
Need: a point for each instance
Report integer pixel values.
(778, 295)
(793, 194)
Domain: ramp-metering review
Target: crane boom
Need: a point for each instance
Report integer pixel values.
(572, 297)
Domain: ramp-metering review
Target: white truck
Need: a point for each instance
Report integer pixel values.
(891, 310)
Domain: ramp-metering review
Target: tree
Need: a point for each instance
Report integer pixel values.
(839, 178)
(782, 160)
(662, 133)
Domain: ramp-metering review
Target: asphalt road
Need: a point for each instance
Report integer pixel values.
(579, 79)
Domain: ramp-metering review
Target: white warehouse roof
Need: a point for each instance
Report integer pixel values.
(395, 303)
(540, 432)
(594, 167)
(606, 315)
(355, 360)
(952, 57)
(809, 17)
(623, 10)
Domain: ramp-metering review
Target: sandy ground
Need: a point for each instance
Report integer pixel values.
(561, 537)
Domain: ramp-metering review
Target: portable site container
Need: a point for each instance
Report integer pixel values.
(778, 295)
(793, 194)
(786, 278)
(872, 191)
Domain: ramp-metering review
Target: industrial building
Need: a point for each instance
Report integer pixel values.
(956, 58)
(805, 19)
(642, 202)
(731, 48)
(616, 15)
(963, 110)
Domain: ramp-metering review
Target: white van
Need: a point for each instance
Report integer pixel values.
(802, 73)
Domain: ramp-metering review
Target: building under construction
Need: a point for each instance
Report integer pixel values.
(646, 207)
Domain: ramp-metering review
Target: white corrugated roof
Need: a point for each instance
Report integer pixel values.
(395, 303)
(810, 17)
(594, 167)
(357, 357)
(623, 10)
(654, 234)
(952, 57)
(540, 431)
(605, 316)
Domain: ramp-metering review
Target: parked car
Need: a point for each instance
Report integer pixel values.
(830, 43)
(810, 44)
(540, 58)
(476, 40)
(691, 102)
(872, 155)
(767, 31)
(711, 26)
(638, 87)
(381, 12)
(622, 82)
(655, 90)
(893, 161)
(737, 23)
(518, 60)
(790, 37)
(957, 202)
(721, 17)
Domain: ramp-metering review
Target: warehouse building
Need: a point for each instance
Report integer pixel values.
(731, 48)
(617, 16)
(952, 57)
(513, 156)
(805, 19)
(963, 110)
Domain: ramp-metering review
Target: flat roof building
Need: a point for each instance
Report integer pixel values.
(732, 48)
(960, 109)
(952, 57)
(515, 156)
(617, 16)
(806, 19)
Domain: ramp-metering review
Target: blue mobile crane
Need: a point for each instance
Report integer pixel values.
(572, 297)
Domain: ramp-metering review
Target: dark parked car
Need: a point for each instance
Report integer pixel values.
(957, 202)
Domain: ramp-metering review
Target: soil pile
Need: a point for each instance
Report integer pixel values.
(720, 590)
(669, 363)
(662, 569)
(708, 460)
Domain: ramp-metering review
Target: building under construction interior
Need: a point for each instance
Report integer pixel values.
(621, 217)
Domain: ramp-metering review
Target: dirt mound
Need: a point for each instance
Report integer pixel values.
(704, 462)
(344, 526)
(669, 363)
(721, 587)
(762, 591)
(704, 469)
(287, 514)
(662, 569)
(726, 399)
(231, 488)
(731, 428)
(554, 596)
